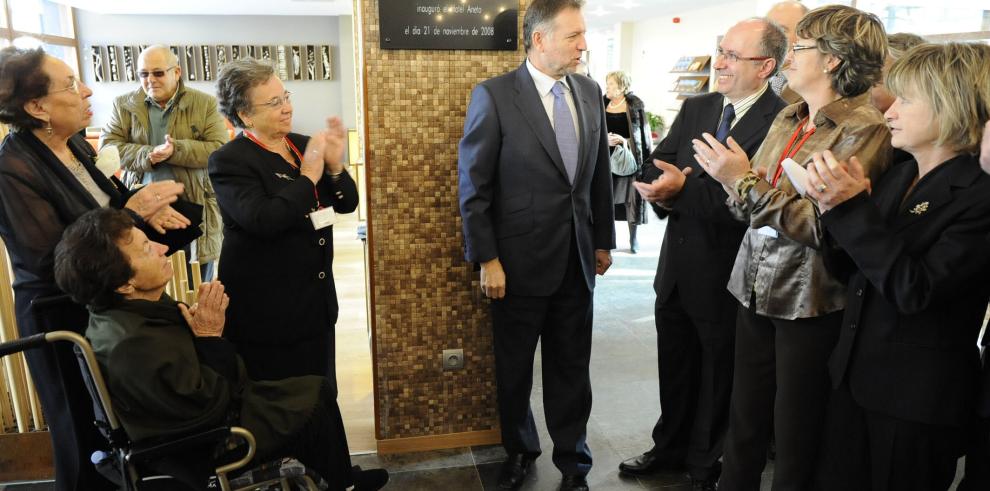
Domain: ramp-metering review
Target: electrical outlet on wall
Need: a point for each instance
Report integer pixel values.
(453, 359)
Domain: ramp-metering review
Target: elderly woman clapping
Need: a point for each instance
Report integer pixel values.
(48, 178)
(277, 192)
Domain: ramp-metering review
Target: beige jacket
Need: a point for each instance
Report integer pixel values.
(198, 130)
(779, 262)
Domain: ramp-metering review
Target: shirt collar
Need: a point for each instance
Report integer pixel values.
(746, 102)
(168, 105)
(836, 111)
(544, 83)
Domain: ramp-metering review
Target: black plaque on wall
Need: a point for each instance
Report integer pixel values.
(448, 24)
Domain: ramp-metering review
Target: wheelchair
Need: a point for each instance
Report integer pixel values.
(212, 459)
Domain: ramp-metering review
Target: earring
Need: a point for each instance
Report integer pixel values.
(825, 70)
(48, 129)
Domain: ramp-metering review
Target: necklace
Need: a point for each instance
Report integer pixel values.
(617, 104)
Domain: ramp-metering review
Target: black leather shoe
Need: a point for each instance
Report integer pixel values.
(514, 471)
(573, 483)
(647, 464)
(369, 480)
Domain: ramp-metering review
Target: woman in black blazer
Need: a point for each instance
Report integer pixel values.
(277, 203)
(906, 368)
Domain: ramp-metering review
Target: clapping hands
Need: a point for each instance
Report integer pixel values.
(206, 317)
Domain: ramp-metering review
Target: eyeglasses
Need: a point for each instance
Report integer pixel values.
(732, 57)
(156, 73)
(276, 102)
(73, 87)
(798, 47)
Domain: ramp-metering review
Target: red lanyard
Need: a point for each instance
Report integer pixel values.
(789, 152)
(295, 151)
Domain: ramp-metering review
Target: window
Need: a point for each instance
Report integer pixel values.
(930, 17)
(40, 23)
(936, 20)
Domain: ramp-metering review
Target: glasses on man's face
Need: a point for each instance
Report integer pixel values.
(799, 47)
(156, 73)
(74, 87)
(732, 56)
(276, 102)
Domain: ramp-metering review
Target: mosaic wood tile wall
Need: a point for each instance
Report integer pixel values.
(426, 297)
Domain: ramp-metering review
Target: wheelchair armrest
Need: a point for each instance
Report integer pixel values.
(22, 344)
(145, 451)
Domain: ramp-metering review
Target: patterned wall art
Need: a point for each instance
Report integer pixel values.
(303, 62)
(130, 63)
(310, 62)
(206, 63)
(191, 63)
(297, 62)
(113, 63)
(327, 71)
(99, 67)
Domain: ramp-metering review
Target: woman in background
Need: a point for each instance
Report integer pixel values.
(625, 117)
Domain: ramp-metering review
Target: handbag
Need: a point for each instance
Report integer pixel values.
(622, 161)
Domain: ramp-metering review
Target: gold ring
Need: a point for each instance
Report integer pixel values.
(158, 197)
(822, 188)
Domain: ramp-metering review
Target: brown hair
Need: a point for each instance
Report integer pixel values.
(89, 264)
(855, 37)
(21, 79)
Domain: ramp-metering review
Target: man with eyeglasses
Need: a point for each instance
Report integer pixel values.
(695, 315)
(164, 130)
(787, 15)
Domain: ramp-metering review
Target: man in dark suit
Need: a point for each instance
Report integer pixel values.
(536, 204)
(695, 315)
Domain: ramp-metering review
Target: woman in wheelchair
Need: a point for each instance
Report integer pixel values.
(167, 368)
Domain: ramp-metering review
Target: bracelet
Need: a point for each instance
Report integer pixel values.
(745, 183)
(336, 177)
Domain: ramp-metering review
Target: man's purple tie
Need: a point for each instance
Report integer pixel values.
(563, 126)
(728, 114)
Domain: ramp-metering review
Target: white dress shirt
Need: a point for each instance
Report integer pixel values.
(544, 84)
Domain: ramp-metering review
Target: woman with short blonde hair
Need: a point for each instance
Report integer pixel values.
(628, 131)
(905, 369)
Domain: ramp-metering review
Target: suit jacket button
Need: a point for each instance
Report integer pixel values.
(859, 292)
(680, 240)
(322, 275)
(323, 241)
(852, 326)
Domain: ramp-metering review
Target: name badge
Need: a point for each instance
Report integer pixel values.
(768, 231)
(323, 218)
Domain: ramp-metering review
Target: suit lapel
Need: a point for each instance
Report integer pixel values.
(531, 107)
(709, 115)
(758, 117)
(582, 103)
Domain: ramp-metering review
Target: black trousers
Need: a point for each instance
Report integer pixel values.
(695, 375)
(561, 322)
(869, 451)
(322, 445)
(780, 381)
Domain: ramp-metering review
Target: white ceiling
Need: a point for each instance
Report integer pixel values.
(598, 13)
(214, 7)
